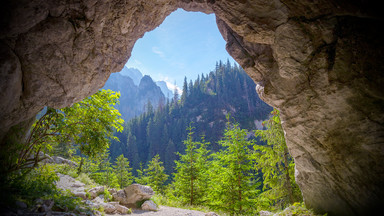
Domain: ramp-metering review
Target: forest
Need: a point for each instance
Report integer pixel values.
(199, 150)
(203, 104)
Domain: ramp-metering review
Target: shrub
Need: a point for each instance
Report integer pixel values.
(107, 196)
(40, 182)
(84, 178)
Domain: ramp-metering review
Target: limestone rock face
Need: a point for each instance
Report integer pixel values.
(318, 62)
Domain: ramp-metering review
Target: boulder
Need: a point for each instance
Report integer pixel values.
(119, 208)
(149, 205)
(60, 160)
(119, 196)
(94, 192)
(211, 214)
(112, 191)
(21, 204)
(108, 208)
(265, 213)
(80, 194)
(137, 192)
(68, 183)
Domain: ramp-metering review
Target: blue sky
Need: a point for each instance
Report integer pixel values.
(185, 44)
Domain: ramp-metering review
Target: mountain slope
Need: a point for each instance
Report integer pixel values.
(203, 104)
(164, 88)
(133, 73)
(133, 98)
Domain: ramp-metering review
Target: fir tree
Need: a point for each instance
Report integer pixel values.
(154, 174)
(123, 171)
(234, 188)
(277, 166)
(190, 179)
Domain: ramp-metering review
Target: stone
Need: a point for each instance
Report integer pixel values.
(211, 214)
(21, 204)
(80, 194)
(94, 192)
(112, 190)
(119, 196)
(78, 184)
(108, 208)
(137, 192)
(66, 182)
(318, 62)
(265, 213)
(61, 160)
(120, 209)
(149, 205)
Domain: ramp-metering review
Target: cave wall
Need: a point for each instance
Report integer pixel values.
(319, 62)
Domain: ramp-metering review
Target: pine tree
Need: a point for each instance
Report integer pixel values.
(190, 179)
(184, 94)
(141, 178)
(154, 174)
(234, 185)
(123, 171)
(277, 166)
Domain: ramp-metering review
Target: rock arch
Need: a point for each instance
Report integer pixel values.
(319, 62)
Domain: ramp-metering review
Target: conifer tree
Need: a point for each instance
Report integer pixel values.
(141, 178)
(234, 186)
(190, 179)
(123, 171)
(184, 94)
(277, 166)
(154, 174)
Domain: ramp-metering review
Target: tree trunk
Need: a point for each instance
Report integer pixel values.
(81, 164)
(287, 177)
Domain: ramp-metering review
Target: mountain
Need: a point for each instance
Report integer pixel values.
(133, 98)
(164, 88)
(204, 105)
(148, 91)
(133, 73)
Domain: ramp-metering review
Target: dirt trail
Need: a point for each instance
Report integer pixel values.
(165, 211)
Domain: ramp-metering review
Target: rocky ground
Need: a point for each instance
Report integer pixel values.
(166, 211)
(67, 182)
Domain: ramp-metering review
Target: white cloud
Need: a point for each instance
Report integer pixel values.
(172, 87)
(157, 51)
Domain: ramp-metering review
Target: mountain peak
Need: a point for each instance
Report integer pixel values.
(133, 73)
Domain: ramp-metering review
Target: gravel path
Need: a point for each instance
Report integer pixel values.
(166, 211)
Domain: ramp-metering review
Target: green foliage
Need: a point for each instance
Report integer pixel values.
(63, 168)
(191, 177)
(65, 201)
(297, 209)
(89, 125)
(84, 178)
(123, 171)
(141, 178)
(39, 183)
(161, 131)
(233, 181)
(107, 196)
(154, 175)
(277, 166)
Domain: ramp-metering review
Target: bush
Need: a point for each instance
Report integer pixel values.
(297, 209)
(107, 196)
(84, 178)
(39, 182)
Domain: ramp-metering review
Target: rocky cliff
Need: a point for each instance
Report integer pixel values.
(319, 62)
(134, 98)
